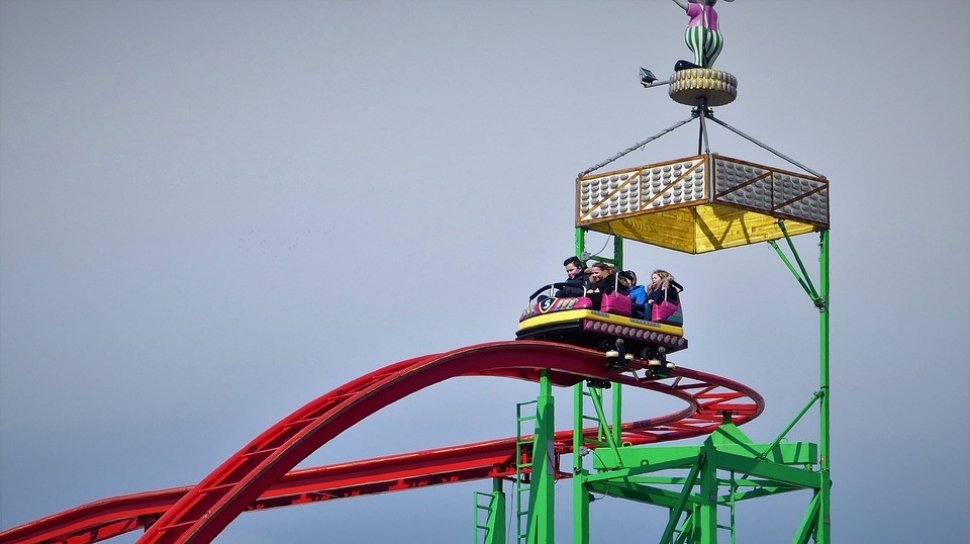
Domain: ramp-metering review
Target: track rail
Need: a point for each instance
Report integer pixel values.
(257, 476)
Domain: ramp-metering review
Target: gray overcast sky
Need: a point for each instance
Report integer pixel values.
(213, 212)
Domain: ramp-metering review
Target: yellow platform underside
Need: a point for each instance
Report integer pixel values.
(576, 315)
(701, 228)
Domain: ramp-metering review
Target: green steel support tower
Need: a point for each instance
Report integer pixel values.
(765, 469)
(729, 467)
(695, 204)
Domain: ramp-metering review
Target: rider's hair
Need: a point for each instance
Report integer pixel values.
(665, 279)
(576, 261)
(605, 267)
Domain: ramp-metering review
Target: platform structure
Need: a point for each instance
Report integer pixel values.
(694, 204)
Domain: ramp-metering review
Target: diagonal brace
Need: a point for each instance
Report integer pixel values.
(684, 494)
(803, 278)
(638, 145)
(710, 115)
(610, 438)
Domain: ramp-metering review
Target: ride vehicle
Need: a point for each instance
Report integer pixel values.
(611, 329)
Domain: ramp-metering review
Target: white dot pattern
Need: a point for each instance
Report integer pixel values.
(643, 190)
(655, 188)
(774, 192)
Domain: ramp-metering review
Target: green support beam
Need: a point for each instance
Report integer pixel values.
(630, 474)
(494, 525)
(642, 459)
(774, 472)
(580, 493)
(633, 473)
(580, 241)
(542, 485)
(767, 469)
(639, 493)
(708, 497)
(809, 523)
(824, 527)
(682, 500)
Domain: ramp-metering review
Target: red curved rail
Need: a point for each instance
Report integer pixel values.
(256, 477)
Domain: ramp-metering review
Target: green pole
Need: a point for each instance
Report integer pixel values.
(542, 487)
(617, 389)
(683, 499)
(808, 280)
(496, 529)
(580, 241)
(580, 495)
(708, 502)
(806, 529)
(824, 528)
(617, 428)
(618, 252)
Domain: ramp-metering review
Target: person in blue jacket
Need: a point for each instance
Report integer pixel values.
(638, 294)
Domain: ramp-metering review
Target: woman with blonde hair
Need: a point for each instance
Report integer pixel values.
(663, 295)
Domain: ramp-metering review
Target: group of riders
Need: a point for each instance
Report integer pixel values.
(648, 301)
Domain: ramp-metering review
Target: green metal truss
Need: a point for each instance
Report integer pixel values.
(691, 481)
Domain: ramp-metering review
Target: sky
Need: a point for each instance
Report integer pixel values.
(213, 212)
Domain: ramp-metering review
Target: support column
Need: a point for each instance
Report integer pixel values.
(496, 530)
(617, 388)
(707, 523)
(580, 241)
(542, 487)
(823, 534)
(580, 493)
(617, 418)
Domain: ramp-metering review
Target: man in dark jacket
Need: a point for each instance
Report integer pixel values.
(576, 276)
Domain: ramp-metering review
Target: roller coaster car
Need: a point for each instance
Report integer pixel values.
(572, 320)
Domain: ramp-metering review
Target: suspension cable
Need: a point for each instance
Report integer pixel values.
(637, 146)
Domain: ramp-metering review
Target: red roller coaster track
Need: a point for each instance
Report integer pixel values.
(258, 476)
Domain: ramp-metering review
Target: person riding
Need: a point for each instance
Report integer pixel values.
(663, 288)
(601, 278)
(638, 294)
(577, 278)
(603, 281)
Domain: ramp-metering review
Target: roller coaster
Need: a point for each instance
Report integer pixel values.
(258, 476)
(696, 204)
